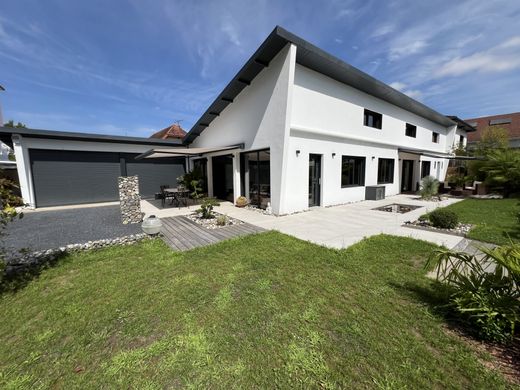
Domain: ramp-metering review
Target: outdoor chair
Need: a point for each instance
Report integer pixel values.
(182, 195)
(165, 195)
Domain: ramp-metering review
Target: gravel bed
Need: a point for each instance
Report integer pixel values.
(462, 229)
(211, 223)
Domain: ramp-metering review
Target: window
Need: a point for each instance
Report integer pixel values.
(425, 168)
(411, 130)
(255, 177)
(435, 137)
(352, 171)
(385, 171)
(461, 141)
(373, 119)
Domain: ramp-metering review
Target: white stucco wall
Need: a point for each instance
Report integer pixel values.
(322, 104)
(259, 118)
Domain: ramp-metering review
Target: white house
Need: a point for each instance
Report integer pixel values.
(315, 131)
(295, 128)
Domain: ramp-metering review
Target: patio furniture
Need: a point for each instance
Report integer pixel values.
(166, 194)
(179, 195)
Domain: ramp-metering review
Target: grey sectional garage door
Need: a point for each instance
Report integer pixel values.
(154, 172)
(71, 177)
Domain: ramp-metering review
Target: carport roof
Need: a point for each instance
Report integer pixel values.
(186, 152)
(7, 132)
(314, 58)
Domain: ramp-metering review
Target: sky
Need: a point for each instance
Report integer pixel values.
(131, 67)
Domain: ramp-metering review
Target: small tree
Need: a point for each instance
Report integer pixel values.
(8, 212)
(206, 208)
(502, 169)
(11, 123)
(492, 138)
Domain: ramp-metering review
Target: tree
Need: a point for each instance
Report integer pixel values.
(493, 138)
(502, 169)
(11, 123)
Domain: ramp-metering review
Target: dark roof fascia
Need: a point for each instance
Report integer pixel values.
(7, 132)
(318, 60)
(462, 123)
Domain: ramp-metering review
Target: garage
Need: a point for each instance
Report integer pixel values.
(58, 168)
(62, 177)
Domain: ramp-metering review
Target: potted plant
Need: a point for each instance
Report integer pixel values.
(241, 201)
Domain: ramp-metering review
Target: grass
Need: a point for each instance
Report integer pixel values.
(495, 219)
(262, 311)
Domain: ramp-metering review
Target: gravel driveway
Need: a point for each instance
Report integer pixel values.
(39, 230)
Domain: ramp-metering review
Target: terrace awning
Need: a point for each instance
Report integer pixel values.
(185, 152)
(426, 153)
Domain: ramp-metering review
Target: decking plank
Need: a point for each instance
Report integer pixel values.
(181, 233)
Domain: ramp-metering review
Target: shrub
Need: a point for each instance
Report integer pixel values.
(486, 298)
(222, 220)
(206, 208)
(444, 219)
(429, 187)
(241, 201)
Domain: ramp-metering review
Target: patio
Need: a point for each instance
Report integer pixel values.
(337, 226)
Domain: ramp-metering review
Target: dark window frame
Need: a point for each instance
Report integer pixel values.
(358, 170)
(412, 129)
(425, 164)
(385, 170)
(435, 137)
(372, 119)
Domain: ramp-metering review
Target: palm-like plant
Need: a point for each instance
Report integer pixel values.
(502, 168)
(484, 291)
(429, 187)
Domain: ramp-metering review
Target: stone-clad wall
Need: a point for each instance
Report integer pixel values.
(130, 199)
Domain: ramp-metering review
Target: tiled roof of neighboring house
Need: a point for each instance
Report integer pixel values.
(174, 131)
(315, 59)
(509, 122)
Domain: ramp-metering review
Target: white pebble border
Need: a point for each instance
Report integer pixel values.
(25, 261)
(462, 229)
(211, 223)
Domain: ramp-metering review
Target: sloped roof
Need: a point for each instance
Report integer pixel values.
(174, 131)
(318, 60)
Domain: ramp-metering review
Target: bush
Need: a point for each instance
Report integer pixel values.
(486, 298)
(222, 220)
(429, 187)
(444, 219)
(206, 208)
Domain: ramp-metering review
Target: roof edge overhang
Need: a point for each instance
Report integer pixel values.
(7, 132)
(314, 58)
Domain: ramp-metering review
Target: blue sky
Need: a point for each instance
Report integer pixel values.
(130, 67)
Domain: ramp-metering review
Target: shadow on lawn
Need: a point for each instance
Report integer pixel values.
(436, 296)
(15, 276)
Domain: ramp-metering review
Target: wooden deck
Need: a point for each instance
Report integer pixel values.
(181, 233)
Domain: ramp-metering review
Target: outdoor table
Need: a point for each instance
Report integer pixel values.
(176, 194)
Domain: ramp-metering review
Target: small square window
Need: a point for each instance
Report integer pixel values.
(373, 119)
(411, 130)
(435, 137)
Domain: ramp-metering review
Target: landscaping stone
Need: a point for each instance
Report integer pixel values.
(24, 262)
(211, 223)
(130, 199)
(462, 229)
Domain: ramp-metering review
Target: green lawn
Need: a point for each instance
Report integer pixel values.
(261, 311)
(495, 219)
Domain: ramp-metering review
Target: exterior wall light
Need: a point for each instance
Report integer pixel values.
(333, 155)
(297, 153)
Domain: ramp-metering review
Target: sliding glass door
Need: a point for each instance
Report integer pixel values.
(255, 177)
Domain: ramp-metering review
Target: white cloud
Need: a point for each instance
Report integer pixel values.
(398, 85)
(503, 57)
(385, 29)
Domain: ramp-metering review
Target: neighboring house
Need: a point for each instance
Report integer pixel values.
(174, 131)
(509, 122)
(295, 128)
(58, 168)
(315, 131)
